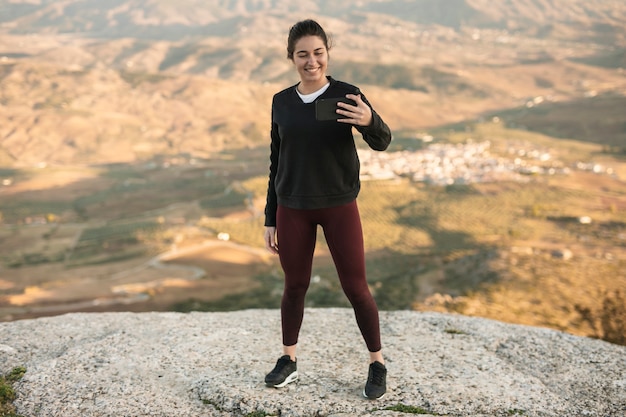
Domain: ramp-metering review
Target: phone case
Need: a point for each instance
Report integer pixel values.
(326, 108)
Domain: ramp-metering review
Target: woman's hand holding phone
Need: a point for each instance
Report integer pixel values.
(359, 115)
(349, 109)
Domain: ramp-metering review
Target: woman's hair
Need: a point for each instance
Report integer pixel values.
(305, 28)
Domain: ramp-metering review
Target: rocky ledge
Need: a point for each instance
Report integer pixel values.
(213, 364)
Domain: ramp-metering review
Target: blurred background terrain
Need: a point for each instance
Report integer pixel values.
(134, 144)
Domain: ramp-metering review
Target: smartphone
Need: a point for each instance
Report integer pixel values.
(326, 108)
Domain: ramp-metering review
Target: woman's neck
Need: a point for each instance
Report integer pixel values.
(308, 88)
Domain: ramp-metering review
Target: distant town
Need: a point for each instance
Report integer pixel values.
(438, 164)
(472, 162)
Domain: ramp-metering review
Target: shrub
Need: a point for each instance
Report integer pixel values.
(608, 322)
(7, 393)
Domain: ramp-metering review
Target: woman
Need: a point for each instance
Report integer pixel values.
(314, 180)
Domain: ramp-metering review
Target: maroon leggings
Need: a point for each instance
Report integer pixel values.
(296, 232)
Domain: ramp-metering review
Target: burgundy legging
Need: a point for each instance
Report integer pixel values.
(296, 232)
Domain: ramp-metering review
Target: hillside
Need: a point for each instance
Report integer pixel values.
(165, 19)
(86, 82)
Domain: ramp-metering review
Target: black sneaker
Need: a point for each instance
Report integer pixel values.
(283, 373)
(376, 381)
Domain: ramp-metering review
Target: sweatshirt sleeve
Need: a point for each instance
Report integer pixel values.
(271, 204)
(377, 134)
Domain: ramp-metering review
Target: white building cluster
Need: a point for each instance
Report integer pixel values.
(448, 164)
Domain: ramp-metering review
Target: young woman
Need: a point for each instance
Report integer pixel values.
(314, 180)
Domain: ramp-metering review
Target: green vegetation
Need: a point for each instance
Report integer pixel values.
(454, 331)
(176, 55)
(114, 241)
(230, 198)
(596, 120)
(451, 84)
(53, 101)
(609, 321)
(460, 241)
(397, 76)
(7, 172)
(36, 258)
(114, 209)
(16, 210)
(137, 78)
(266, 295)
(392, 76)
(409, 409)
(614, 59)
(456, 240)
(7, 392)
(503, 136)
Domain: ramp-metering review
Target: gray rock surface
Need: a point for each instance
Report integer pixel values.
(213, 364)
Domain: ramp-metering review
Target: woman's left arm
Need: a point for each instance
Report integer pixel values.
(374, 130)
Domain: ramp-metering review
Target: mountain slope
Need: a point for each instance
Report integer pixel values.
(176, 19)
(91, 81)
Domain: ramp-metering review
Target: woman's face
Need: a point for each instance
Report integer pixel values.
(311, 60)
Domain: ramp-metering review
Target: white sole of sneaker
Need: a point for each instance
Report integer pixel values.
(365, 395)
(289, 379)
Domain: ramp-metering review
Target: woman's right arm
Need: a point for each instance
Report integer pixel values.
(271, 204)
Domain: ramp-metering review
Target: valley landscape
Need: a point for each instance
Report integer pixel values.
(134, 144)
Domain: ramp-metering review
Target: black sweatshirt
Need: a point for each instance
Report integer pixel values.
(314, 164)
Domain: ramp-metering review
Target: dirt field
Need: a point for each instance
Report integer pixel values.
(206, 272)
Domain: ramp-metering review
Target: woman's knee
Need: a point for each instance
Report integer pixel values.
(358, 294)
(295, 290)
